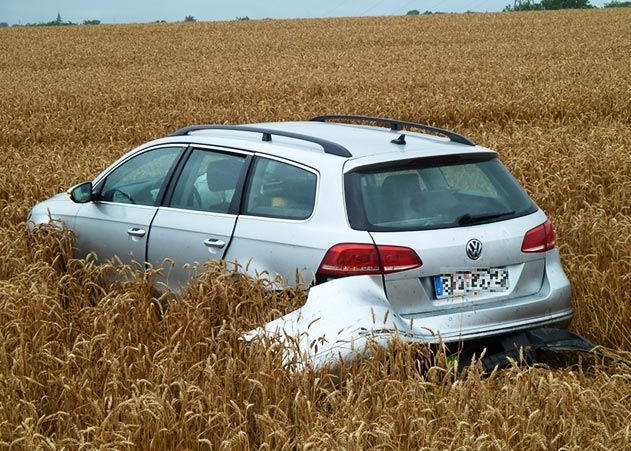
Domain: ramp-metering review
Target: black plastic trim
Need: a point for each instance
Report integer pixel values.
(239, 193)
(523, 346)
(328, 146)
(395, 125)
(173, 175)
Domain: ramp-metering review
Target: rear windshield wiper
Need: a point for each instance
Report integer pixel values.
(473, 219)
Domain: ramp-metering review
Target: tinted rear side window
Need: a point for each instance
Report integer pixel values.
(429, 194)
(280, 190)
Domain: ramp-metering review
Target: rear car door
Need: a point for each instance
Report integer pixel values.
(199, 214)
(276, 233)
(117, 223)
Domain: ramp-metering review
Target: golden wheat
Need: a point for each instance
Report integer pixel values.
(89, 360)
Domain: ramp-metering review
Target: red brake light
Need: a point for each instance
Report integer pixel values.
(398, 258)
(539, 239)
(352, 259)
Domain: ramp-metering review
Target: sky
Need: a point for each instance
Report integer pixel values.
(123, 11)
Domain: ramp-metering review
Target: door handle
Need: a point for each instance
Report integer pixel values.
(135, 231)
(217, 244)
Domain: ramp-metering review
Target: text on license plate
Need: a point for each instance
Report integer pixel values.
(471, 282)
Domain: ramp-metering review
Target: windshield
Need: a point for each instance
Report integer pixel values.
(431, 193)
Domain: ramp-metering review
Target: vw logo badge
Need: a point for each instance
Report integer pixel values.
(474, 249)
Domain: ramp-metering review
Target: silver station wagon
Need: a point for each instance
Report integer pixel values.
(428, 227)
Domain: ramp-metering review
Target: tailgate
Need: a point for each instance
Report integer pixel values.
(450, 279)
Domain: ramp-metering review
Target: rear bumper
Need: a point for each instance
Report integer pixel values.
(340, 317)
(355, 346)
(484, 328)
(548, 308)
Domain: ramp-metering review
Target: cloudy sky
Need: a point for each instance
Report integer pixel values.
(121, 11)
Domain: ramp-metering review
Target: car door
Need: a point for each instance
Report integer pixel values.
(276, 234)
(116, 224)
(199, 215)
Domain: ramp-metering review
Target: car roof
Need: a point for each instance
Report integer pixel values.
(365, 143)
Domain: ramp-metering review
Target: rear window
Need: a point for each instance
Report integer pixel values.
(433, 193)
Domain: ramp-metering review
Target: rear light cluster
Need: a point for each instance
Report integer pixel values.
(353, 259)
(539, 239)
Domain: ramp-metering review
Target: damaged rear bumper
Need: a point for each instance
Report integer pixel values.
(341, 317)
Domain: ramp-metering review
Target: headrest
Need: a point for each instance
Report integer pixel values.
(402, 183)
(222, 175)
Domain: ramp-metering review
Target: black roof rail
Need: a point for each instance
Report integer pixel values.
(328, 146)
(395, 125)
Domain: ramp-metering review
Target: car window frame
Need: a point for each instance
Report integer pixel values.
(235, 203)
(99, 183)
(289, 162)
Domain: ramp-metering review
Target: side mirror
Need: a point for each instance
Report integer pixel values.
(81, 193)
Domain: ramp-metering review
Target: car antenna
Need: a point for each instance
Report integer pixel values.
(400, 140)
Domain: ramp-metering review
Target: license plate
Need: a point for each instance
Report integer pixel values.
(471, 282)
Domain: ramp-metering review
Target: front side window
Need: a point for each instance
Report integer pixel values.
(140, 179)
(428, 194)
(208, 181)
(280, 190)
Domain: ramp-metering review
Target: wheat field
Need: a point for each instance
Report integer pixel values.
(88, 361)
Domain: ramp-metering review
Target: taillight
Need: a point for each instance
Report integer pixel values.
(352, 259)
(398, 258)
(539, 239)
